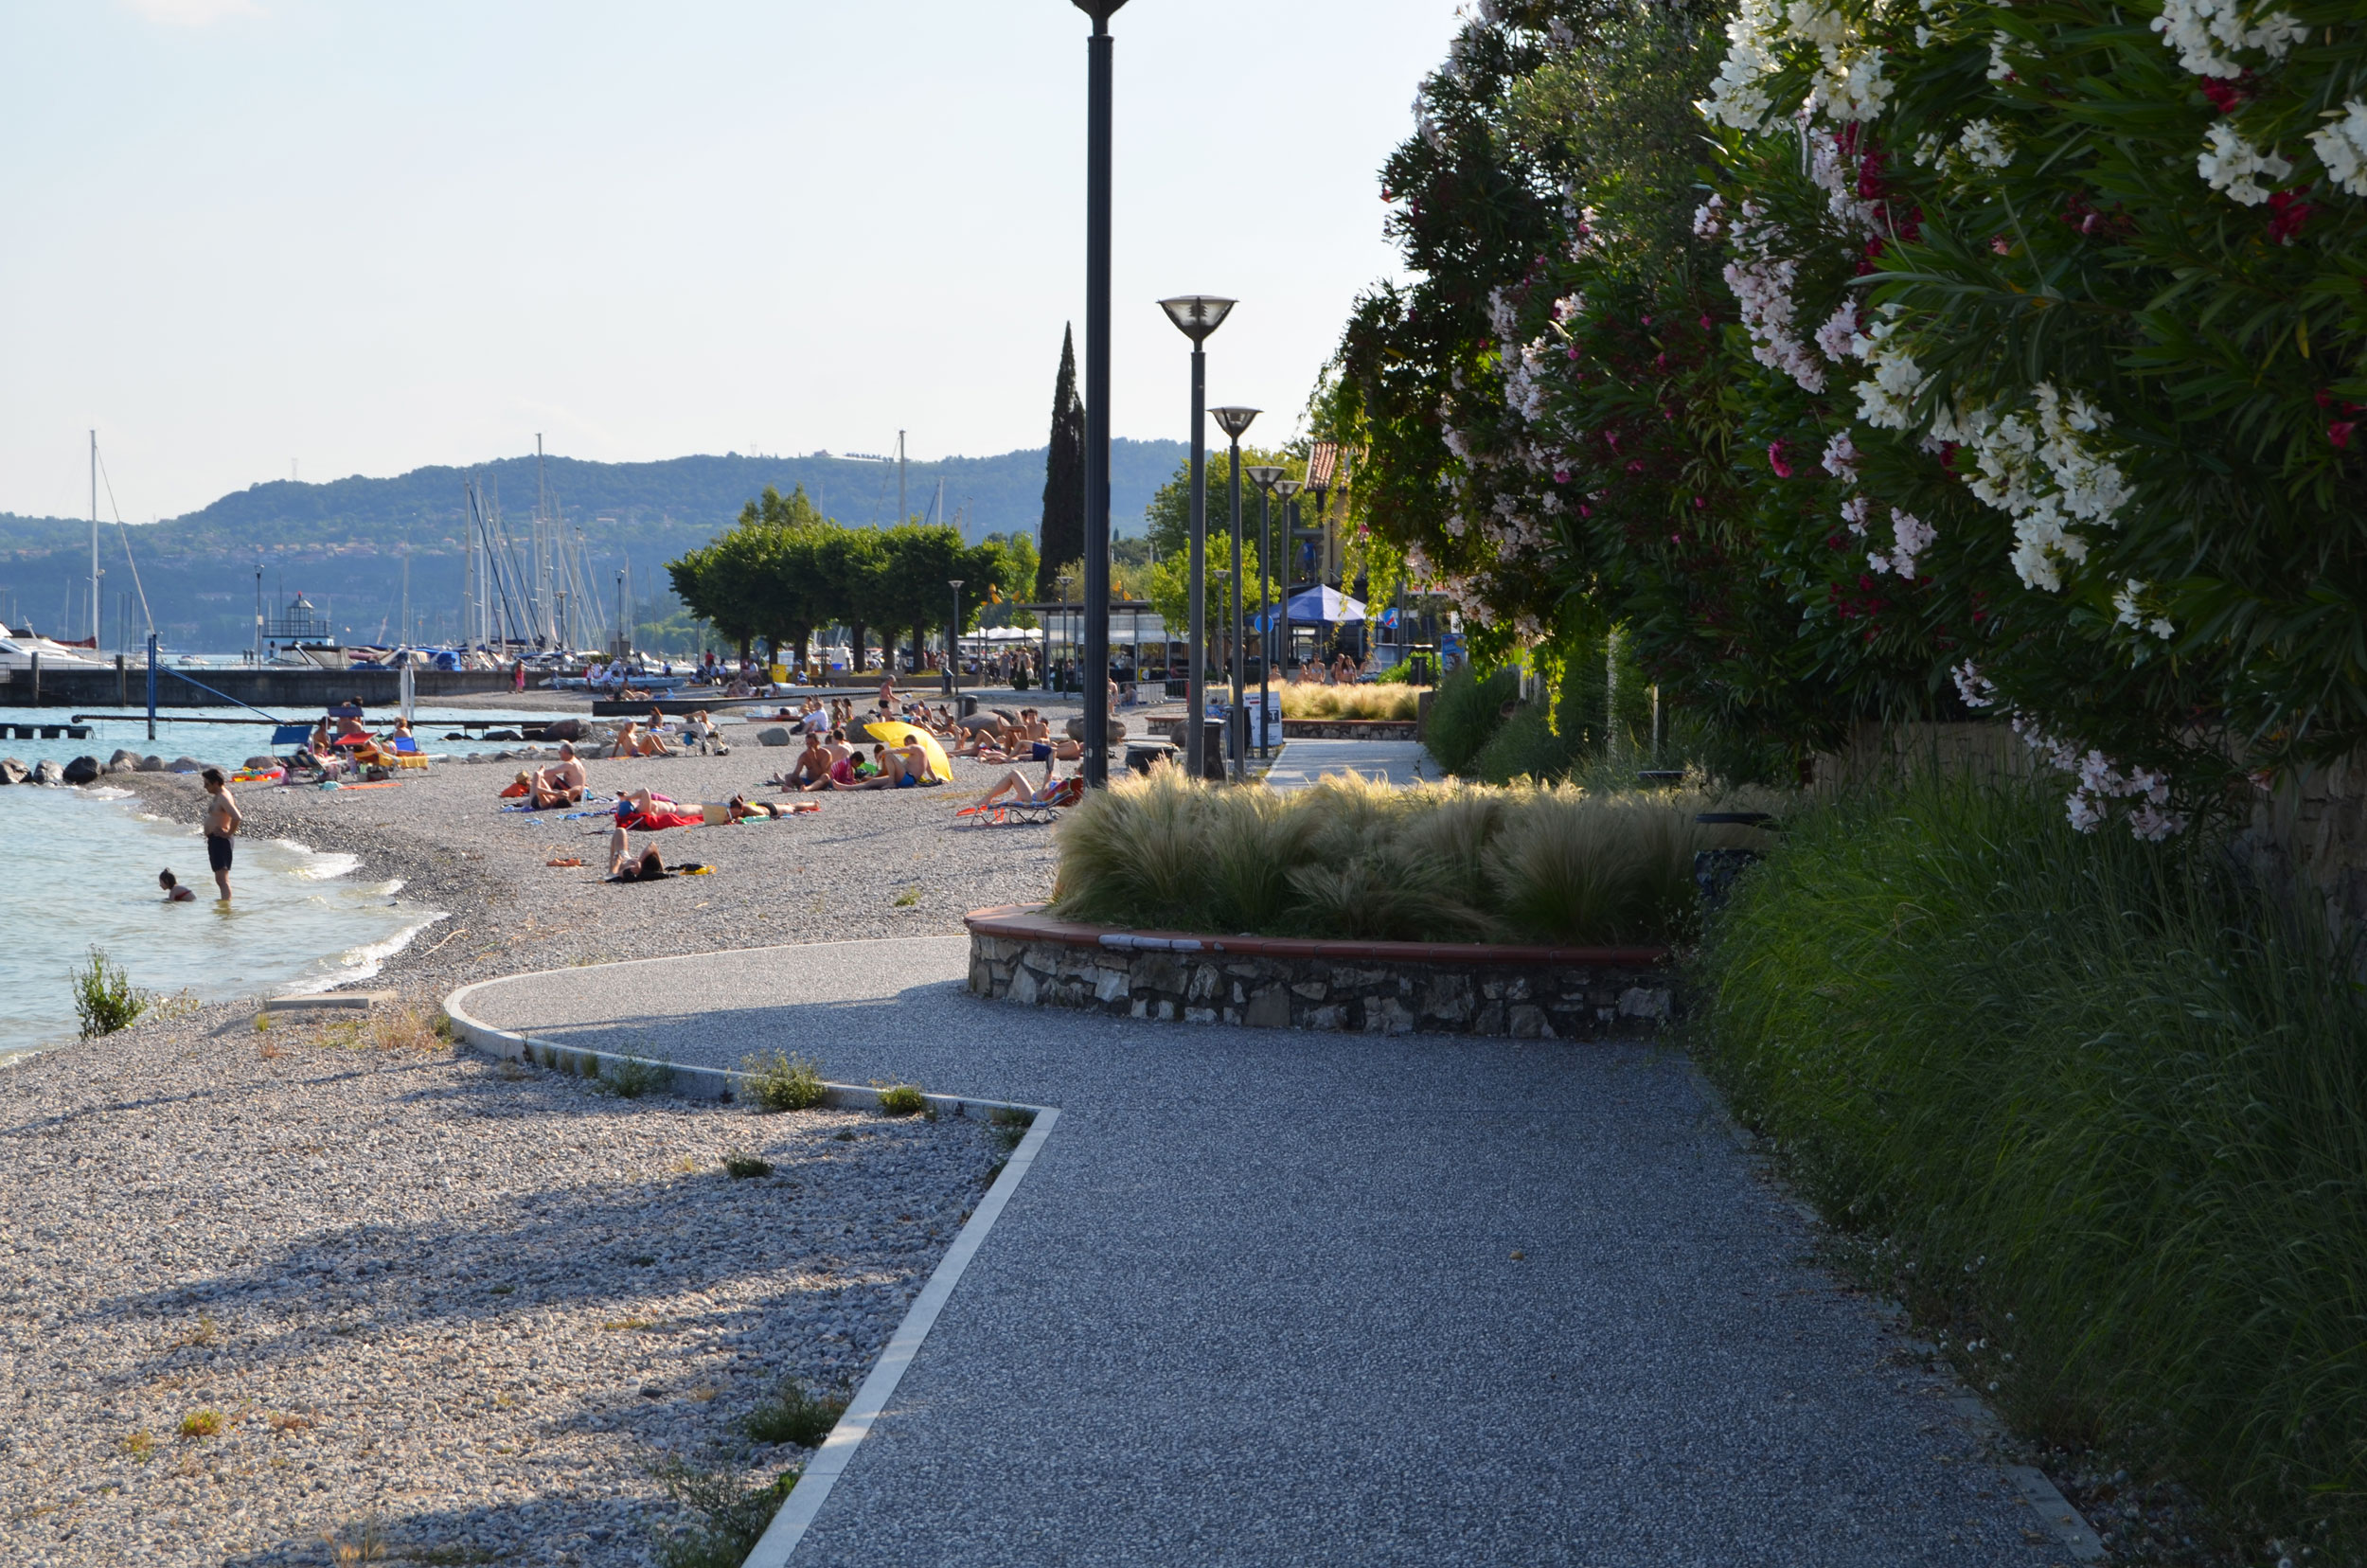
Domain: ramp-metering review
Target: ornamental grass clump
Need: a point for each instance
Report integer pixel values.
(1352, 702)
(2095, 1105)
(1352, 859)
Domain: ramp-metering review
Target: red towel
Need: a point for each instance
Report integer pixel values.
(638, 822)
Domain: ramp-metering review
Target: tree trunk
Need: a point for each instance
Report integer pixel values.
(855, 661)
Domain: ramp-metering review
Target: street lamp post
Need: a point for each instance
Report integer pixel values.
(1263, 475)
(1288, 489)
(952, 641)
(1196, 316)
(1234, 421)
(1098, 55)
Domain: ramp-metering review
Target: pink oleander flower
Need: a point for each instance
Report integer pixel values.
(1776, 460)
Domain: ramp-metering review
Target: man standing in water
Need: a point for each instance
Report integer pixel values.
(222, 821)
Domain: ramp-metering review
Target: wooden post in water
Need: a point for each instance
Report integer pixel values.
(35, 661)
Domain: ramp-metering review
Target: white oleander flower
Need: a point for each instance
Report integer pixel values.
(1973, 686)
(1841, 456)
(1910, 537)
(1839, 336)
(2342, 148)
(2231, 163)
(1984, 146)
(2201, 29)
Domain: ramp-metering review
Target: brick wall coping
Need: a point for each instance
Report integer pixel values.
(1029, 923)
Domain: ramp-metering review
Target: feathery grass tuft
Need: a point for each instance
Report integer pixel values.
(1352, 702)
(1357, 859)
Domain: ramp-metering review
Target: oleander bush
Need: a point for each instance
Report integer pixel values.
(1348, 857)
(2095, 1105)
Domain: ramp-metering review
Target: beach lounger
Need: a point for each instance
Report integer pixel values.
(407, 753)
(1044, 805)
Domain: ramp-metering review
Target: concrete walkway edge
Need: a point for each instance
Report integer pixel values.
(830, 1462)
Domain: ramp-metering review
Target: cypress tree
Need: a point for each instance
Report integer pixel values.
(1062, 539)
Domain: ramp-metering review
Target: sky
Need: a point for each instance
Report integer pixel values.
(248, 238)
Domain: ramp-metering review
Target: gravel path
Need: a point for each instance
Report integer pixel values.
(1277, 1298)
(460, 1306)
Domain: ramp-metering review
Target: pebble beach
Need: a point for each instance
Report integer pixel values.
(328, 1289)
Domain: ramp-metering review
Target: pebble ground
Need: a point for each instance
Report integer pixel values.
(446, 1310)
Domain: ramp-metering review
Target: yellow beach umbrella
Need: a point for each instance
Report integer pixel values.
(895, 732)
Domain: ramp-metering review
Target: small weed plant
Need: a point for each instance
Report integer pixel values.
(202, 1423)
(795, 1414)
(727, 1513)
(779, 1081)
(741, 1166)
(631, 1078)
(908, 897)
(104, 997)
(140, 1445)
(902, 1099)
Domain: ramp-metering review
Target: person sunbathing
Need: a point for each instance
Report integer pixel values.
(1014, 788)
(561, 784)
(623, 865)
(635, 742)
(813, 765)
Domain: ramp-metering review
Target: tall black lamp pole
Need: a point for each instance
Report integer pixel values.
(1196, 316)
(1097, 97)
(953, 641)
(1235, 422)
(1264, 475)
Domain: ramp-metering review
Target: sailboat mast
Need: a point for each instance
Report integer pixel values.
(94, 539)
(548, 628)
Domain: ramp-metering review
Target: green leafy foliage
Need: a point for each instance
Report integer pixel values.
(104, 998)
(795, 1414)
(778, 1081)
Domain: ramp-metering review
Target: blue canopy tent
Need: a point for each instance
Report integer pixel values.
(1324, 604)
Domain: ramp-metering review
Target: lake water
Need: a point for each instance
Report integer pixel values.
(83, 874)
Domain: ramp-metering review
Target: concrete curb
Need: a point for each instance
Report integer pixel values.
(821, 1473)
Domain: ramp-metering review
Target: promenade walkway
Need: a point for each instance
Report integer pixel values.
(1274, 1298)
(1299, 763)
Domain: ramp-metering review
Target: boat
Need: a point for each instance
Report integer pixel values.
(18, 648)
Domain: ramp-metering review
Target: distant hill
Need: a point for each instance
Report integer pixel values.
(342, 543)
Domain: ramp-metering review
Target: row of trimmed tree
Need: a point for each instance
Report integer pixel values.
(784, 572)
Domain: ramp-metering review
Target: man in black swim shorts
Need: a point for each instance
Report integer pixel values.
(222, 821)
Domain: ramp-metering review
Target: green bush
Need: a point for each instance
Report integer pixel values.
(2096, 1105)
(629, 1078)
(104, 997)
(1350, 858)
(779, 1081)
(902, 1099)
(1465, 713)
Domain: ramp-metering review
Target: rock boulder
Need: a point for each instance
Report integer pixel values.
(47, 772)
(11, 770)
(83, 770)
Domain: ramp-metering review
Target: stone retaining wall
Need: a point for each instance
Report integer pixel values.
(1023, 956)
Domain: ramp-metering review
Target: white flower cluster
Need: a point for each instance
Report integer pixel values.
(1973, 686)
(2088, 805)
(1841, 457)
(1839, 336)
(2232, 162)
(1999, 68)
(1848, 83)
(2046, 473)
(1912, 536)
(1886, 399)
(1855, 511)
(1984, 146)
(1836, 176)
(2200, 29)
(2130, 610)
(2342, 148)
(1709, 219)
(1762, 283)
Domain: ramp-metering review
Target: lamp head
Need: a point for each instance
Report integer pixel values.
(956, 583)
(1288, 487)
(1196, 316)
(1100, 11)
(1234, 420)
(1263, 475)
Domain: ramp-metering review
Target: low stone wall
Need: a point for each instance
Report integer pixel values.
(1020, 954)
(1348, 729)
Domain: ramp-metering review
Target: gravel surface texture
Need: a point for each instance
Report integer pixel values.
(1277, 1298)
(452, 1308)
